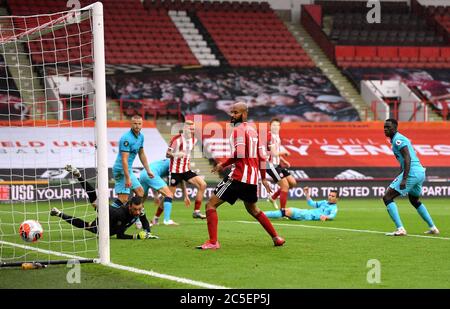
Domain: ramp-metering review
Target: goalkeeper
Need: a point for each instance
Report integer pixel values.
(323, 210)
(120, 218)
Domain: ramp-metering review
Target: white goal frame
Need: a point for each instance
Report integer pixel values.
(98, 53)
(101, 132)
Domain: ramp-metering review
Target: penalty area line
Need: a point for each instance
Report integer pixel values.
(344, 229)
(121, 267)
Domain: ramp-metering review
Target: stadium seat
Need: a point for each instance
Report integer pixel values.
(408, 54)
(126, 21)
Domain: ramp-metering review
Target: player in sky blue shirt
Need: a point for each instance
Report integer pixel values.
(130, 145)
(160, 170)
(409, 182)
(323, 210)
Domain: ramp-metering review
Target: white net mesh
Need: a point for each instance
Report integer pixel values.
(46, 122)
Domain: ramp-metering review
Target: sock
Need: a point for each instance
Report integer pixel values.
(167, 208)
(198, 205)
(423, 212)
(393, 212)
(276, 194)
(159, 211)
(261, 217)
(283, 199)
(273, 214)
(212, 219)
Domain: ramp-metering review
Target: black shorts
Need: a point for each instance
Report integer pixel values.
(277, 172)
(176, 178)
(229, 190)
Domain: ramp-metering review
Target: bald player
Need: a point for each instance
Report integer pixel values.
(247, 161)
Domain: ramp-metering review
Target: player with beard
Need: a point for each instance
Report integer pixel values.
(242, 182)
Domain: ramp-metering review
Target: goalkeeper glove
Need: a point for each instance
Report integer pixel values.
(144, 235)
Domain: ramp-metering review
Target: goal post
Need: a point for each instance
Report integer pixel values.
(101, 129)
(53, 112)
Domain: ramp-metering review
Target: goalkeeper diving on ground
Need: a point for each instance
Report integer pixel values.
(120, 218)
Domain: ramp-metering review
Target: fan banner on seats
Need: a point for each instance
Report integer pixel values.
(292, 95)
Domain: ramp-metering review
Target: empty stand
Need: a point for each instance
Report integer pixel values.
(402, 38)
(194, 39)
(254, 39)
(193, 6)
(399, 29)
(132, 35)
(246, 33)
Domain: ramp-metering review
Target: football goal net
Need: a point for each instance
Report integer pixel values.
(52, 114)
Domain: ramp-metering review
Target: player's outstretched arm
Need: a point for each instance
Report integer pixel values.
(145, 223)
(309, 200)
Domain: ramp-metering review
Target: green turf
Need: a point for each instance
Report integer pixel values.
(311, 258)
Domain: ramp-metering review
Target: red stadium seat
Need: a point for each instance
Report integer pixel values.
(445, 54)
(365, 53)
(387, 53)
(408, 54)
(345, 52)
(429, 54)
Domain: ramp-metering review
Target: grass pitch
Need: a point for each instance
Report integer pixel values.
(332, 254)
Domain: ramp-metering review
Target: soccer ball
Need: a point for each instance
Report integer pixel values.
(31, 231)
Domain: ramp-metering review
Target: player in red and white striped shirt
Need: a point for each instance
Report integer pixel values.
(179, 152)
(242, 181)
(246, 169)
(280, 175)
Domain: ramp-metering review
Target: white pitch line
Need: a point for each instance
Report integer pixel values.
(70, 256)
(167, 277)
(122, 267)
(344, 229)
